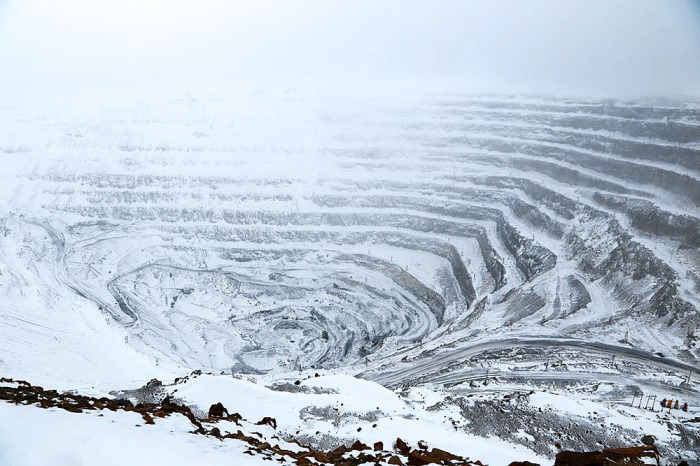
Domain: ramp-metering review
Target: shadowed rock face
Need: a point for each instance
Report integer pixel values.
(399, 225)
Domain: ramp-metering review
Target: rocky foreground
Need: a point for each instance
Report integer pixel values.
(219, 423)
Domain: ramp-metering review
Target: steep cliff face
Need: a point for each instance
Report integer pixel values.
(531, 258)
(644, 287)
(649, 219)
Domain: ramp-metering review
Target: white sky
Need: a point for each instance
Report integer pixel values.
(604, 47)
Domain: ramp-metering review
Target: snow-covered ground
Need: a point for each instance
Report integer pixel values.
(449, 247)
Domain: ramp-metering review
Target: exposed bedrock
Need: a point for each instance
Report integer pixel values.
(649, 218)
(531, 258)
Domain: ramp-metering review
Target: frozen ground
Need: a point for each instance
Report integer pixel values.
(452, 248)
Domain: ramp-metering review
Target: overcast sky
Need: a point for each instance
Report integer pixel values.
(603, 47)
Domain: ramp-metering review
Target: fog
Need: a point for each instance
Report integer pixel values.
(631, 48)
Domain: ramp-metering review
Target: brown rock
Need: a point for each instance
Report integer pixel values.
(632, 454)
(443, 455)
(359, 446)
(270, 421)
(337, 453)
(263, 446)
(573, 458)
(401, 446)
(418, 458)
(218, 410)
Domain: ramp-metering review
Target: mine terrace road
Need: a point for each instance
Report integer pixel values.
(431, 365)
